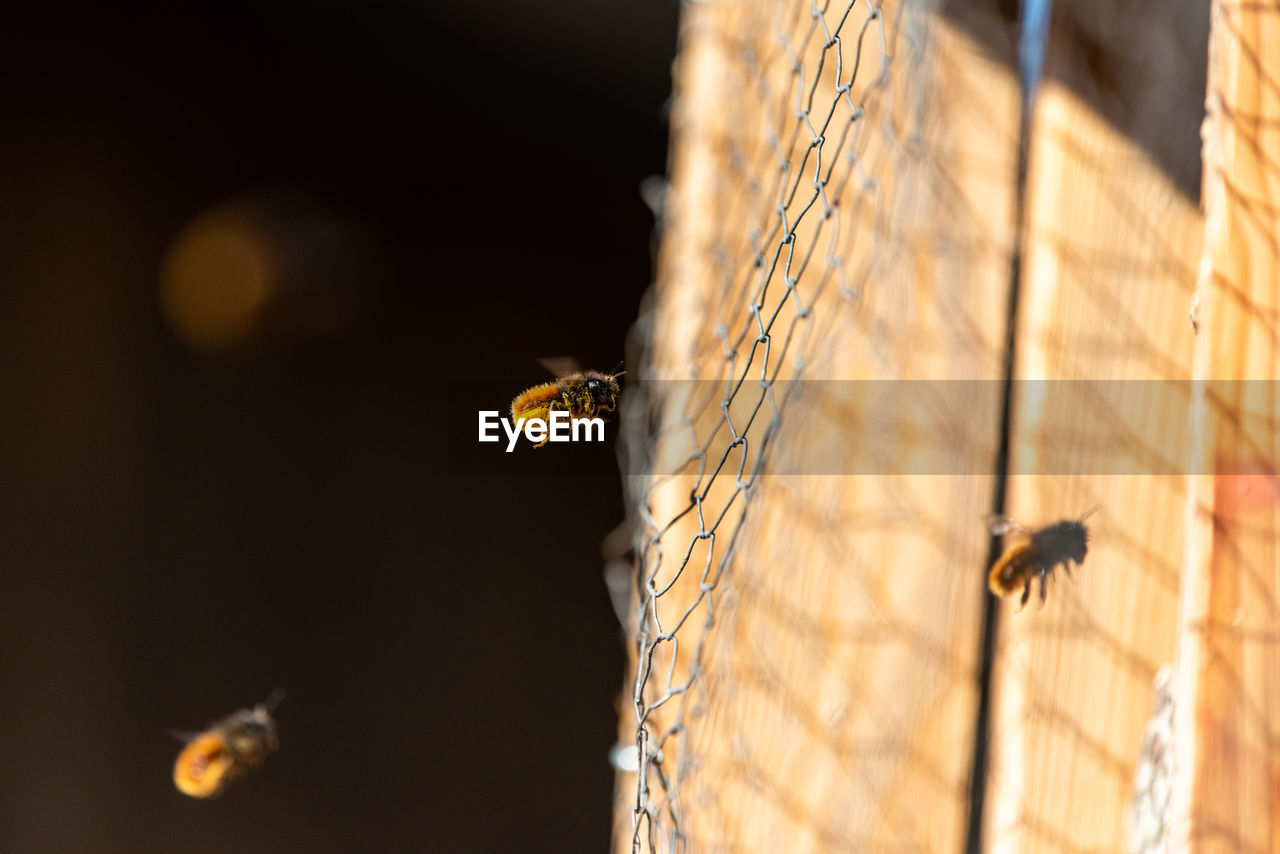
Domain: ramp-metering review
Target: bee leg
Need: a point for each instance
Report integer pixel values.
(1026, 594)
(1043, 577)
(546, 416)
(567, 404)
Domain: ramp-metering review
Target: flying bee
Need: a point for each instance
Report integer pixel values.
(227, 750)
(1041, 552)
(583, 394)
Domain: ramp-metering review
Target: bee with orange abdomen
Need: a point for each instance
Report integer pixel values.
(227, 750)
(1040, 552)
(583, 394)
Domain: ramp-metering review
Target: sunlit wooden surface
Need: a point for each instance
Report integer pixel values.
(826, 673)
(1227, 694)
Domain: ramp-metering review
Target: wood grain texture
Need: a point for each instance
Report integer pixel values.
(837, 655)
(1104, 349)
(819, 693)
(1226, 690)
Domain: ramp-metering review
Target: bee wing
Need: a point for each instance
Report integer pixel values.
(561, 366)
(1005, 525)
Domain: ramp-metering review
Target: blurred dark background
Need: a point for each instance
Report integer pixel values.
(248, 250)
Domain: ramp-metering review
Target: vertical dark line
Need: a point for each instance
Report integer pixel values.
(979, 768)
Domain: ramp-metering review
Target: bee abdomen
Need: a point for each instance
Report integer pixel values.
(1012, 570)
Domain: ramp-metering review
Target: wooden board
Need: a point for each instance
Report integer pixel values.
(1226, 691)
(834, 696)
(1109, 271)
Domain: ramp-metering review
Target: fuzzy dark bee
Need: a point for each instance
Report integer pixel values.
(584, 394)
(1040, 552)
(227, 750)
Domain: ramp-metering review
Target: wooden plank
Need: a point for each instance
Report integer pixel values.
(1104, 349)
(835, 695)
(1226, 692)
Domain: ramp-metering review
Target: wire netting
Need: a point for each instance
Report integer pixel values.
(787, 174)
(817, 664)
(738, 658)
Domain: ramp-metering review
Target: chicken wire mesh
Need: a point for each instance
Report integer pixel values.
(815, 105)
(812, 655)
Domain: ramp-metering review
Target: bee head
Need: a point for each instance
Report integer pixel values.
(1079, 536)
(1069, 538)
(1078, 541)
(604, 390)
(254, 733)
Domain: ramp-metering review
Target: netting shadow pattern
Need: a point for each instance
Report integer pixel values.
(788, 170)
